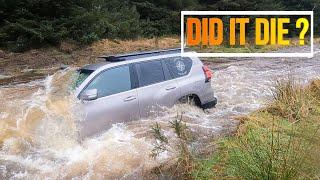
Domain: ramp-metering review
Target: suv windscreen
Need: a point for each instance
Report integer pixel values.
(178, 66)
(150, 72)
(112, 81)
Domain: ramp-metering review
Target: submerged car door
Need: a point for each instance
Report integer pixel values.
(156, 89)
(116, 101)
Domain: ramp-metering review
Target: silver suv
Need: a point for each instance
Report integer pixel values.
(133, 86)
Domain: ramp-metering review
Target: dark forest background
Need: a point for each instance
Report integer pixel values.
(26, 24)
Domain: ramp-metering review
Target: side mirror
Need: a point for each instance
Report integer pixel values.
(89, 95)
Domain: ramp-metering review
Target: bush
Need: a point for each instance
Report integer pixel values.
(28, 24)
(184, 165)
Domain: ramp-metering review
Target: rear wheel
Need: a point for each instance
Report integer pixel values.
(191, 100)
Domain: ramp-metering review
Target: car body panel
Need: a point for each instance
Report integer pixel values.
(103, 112)
(145, 101)
(153, 98)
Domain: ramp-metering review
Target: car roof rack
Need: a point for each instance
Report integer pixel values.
(130, 56)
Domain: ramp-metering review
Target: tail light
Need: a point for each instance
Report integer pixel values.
(207, 73)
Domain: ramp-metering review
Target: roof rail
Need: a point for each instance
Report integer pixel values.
(123, 57)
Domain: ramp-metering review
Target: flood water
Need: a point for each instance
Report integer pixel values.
(38, 123)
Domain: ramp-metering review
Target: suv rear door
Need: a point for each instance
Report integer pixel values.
(179, 68)
(156, 87)
(117, 100)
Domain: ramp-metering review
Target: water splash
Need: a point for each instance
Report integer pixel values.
(38, 137)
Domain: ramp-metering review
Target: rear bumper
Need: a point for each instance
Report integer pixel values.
(210, 104)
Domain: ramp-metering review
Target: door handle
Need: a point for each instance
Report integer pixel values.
(170, 88)
(130, 98)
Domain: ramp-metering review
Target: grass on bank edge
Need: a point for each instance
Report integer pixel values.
(280, 141)
(249, 47)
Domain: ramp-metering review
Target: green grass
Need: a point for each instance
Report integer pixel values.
(280, 141)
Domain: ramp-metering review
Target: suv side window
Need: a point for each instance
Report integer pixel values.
(150, 72)
(178, 66)
(112, 81)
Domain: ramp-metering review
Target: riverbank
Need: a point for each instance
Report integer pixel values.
(39, 63)
(279, 141)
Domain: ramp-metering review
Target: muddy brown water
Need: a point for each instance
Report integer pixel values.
(38, 131)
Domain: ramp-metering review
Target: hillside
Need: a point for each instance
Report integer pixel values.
(37, 63)
(28, 24)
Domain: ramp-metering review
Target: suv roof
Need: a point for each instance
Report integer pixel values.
(130, 56)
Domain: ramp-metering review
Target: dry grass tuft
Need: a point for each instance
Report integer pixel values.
(291, 101)
(115, 47)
